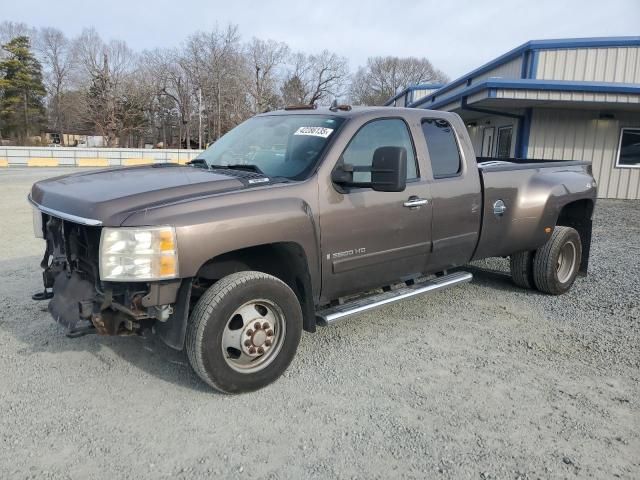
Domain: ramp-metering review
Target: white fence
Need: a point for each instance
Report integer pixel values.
(89, 157)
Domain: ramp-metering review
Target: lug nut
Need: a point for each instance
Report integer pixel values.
(260, 350)
(247, 343)
(256, 325)
(265, 325)
(267, 343)
(252, 350)
(270, 333)
(249, 333)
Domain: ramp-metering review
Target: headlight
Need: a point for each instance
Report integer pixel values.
(138, 254)
(37, 223)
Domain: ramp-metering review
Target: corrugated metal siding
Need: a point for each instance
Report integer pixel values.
(458, 88)
(475, 133)
(568, 96)
(449, 106)
(418, 94)
(476, 97)
(619, 64)
(511, 69)
(580, 135)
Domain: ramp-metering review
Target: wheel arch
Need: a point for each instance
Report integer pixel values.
(578, 215)
(284, 260)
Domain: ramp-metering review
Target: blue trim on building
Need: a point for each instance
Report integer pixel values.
(534, 64)
(588, 42)
(533, 47)
(562, 85)
(532, 84)
(525, 65)
(425, 86)
(465, 106)
(411, 88)
(522, 137)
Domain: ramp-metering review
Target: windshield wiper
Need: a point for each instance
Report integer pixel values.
(240, 166)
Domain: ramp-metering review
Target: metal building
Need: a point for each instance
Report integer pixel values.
(575, 99)
(412, 94)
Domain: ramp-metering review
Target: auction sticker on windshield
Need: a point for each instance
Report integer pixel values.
(314, 131)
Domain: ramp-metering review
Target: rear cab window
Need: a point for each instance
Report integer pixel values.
(443, 148)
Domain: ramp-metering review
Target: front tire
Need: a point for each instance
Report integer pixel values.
(556, 263)
(244, 331)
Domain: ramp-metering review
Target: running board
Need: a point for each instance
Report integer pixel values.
(359, 305)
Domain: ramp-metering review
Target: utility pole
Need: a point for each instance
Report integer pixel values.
(258, 93)
(200, 118)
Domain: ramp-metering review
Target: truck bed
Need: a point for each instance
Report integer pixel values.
(499, 164)
(534, 191)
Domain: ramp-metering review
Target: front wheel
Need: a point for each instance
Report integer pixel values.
(556, 263)
(244, 331)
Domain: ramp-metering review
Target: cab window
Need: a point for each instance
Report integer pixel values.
(391, 132)
(443, 148)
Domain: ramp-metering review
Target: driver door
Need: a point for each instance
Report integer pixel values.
(370, 239)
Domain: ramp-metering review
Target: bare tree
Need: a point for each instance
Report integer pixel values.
(164, 112)
(315, 78)
(215, 62)
(264, 58)
(57, 56)
(383, 77)
(108, 68)
(202, 88)
(176, 83)
(11, 30)
(328, 76)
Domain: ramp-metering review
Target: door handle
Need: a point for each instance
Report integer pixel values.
(414, 202)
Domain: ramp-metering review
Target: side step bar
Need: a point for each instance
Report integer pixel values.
(359, 305)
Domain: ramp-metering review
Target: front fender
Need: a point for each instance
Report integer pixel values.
(208, 227)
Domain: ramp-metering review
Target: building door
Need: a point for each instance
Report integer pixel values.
(487, 141)
(504, 142)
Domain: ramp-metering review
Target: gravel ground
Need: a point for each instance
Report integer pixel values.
(482, 381)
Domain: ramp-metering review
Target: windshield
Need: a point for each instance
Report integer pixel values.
(278, 145)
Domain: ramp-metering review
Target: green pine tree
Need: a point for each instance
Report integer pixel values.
(22, 92)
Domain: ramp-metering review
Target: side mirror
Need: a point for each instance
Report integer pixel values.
(389, 169)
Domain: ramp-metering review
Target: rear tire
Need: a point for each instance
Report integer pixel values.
(244, 331)
(521, 265)
(556, 263)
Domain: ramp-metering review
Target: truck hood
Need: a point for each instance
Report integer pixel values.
(110, 196)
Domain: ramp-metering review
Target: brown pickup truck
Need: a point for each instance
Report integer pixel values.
(294, 219)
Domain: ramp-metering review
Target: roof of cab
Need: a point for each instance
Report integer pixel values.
(353, 113)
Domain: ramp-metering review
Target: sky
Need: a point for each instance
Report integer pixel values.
(456, 36)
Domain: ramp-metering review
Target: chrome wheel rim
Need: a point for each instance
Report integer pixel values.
(253, 336)
(566, 262)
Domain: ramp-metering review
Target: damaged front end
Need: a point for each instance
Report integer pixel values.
(83, 303)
